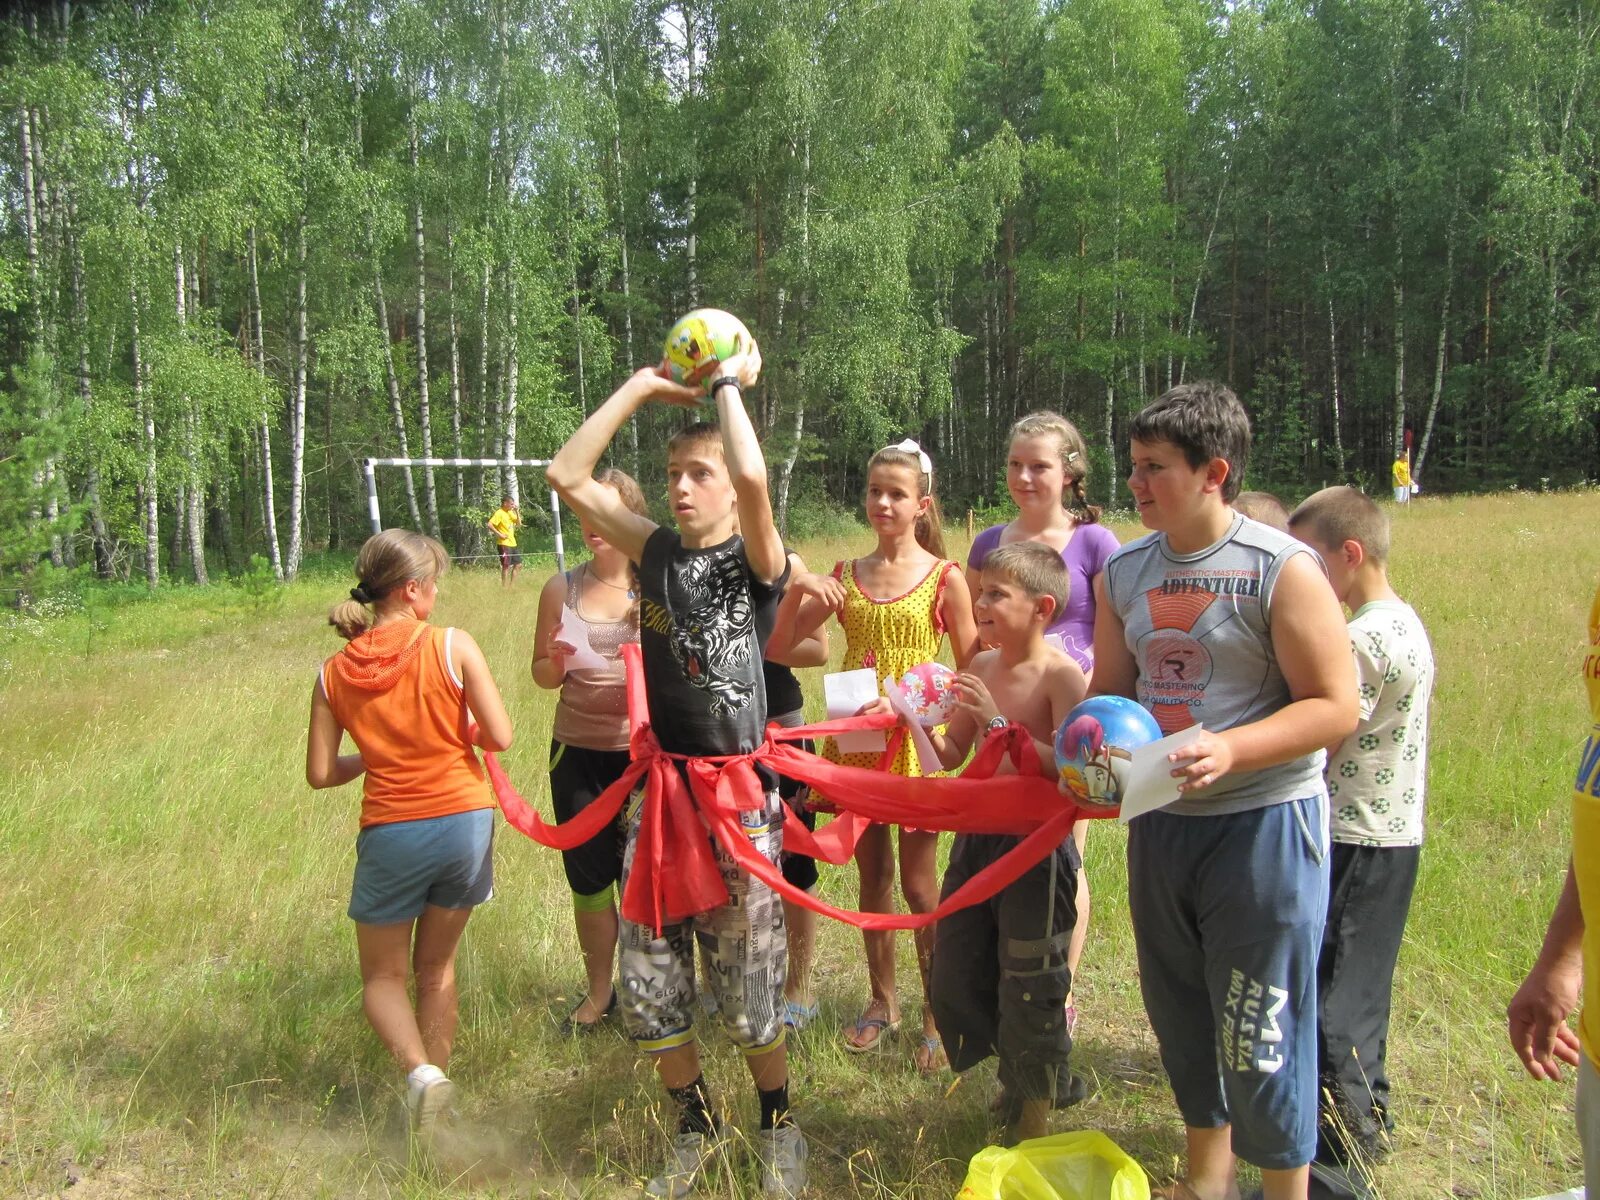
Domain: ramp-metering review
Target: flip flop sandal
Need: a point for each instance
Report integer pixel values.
(929, 1056)
(797, 1016)
(572, 1027)
(878, 1027)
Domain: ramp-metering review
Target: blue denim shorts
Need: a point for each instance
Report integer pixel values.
(404, 866)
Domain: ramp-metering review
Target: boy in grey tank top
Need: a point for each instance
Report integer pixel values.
(1218, 621)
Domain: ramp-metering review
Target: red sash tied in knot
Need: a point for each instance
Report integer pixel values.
(689, 800)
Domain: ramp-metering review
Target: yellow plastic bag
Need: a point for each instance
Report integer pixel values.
(1086, 1165)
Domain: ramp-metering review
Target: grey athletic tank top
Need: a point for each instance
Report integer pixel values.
(1199, 627)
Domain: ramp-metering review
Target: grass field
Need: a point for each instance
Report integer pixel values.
(179, 1001)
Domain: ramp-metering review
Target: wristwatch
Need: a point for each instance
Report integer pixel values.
(726, 381)
(996, 722)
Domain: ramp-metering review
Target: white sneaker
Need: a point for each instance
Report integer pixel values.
(428, 1094)
(687, 1160)
(781, 1154)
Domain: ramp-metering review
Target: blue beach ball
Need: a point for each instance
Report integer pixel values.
(1095, 745)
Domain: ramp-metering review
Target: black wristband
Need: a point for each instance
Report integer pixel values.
(726, 381)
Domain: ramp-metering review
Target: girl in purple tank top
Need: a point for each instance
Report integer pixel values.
(1046, 468)
(1045, 473)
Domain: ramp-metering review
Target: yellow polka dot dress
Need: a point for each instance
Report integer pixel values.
(891, 637)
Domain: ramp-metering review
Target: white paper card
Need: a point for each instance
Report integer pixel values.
(574, 631)
(1150, 783)
(845, 692)
(926, 755)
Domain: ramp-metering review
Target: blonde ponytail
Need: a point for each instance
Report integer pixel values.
(930, 529)
(387, 561)
(351, 618)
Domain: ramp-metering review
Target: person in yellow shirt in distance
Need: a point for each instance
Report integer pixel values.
(1401, 476)
(503, 523)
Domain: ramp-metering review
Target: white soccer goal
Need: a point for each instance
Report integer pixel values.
(369, 470)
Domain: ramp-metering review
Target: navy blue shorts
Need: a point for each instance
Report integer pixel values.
(1227, 917)
(404, 866)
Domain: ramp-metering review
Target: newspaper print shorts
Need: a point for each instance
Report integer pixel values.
(743, 943)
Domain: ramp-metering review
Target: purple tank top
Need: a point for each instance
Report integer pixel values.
(1085, 557)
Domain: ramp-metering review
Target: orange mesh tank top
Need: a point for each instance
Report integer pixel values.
(394, 691)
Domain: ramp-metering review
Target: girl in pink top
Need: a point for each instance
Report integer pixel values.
(589, 741)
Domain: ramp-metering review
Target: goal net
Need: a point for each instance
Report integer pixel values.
(369, 471)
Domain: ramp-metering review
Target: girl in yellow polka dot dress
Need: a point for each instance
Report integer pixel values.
(896, 605)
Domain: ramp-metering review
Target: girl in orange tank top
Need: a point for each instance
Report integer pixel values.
(896, 606)
(415, 700)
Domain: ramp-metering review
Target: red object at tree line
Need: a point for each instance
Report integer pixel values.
(689, 800)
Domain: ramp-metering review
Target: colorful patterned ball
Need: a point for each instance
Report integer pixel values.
(1095, 744)
(930, 690)
(700, 341)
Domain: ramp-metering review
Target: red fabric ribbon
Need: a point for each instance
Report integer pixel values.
(690, 800)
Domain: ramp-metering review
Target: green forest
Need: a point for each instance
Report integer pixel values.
(249, 243)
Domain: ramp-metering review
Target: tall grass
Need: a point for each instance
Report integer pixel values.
(179, 1004)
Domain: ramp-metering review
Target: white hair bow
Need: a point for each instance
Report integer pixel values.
(910, 446)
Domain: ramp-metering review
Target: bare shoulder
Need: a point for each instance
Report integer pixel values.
(464, 646)
(1059, 666)
(1302, 598)
(986, 665)
(1065, 678)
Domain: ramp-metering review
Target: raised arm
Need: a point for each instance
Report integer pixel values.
(747, 467)
(804, 650)
(572, 471)
(807, 603)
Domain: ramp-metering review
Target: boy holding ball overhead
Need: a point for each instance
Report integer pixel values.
(1221, 625)
(704, 591)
